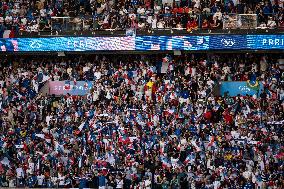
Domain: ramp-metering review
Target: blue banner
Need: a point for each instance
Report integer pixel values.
(144, 43)
(265, 42)
(235, 88)
(69, 44)
(172, 43)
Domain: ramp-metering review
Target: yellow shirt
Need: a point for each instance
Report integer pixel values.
(150, 84)
(219, 138)
(23, 133)
(228, 157)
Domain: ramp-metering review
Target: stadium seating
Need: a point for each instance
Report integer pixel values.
(146, 121)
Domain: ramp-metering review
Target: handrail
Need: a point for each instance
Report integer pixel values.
(91, 23)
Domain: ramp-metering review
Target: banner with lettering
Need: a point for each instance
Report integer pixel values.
(144, 43)
(243, 88)
(69, 87)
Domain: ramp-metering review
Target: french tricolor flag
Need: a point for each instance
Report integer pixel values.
(124, 139)
(187, 159)
(67, 85)
(166, 163)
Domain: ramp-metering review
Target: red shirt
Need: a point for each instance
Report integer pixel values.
(193, 24)
(186, 10)
(205, 25)
(180, 10)
(175, 10)
(228, 118)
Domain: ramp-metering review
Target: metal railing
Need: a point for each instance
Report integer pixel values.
(229, 21)
(240, 21)
(102, 22)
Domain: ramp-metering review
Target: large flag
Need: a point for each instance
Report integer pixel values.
(166, 162)
(189, 159)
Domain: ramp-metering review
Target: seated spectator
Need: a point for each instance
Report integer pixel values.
(216, 23)
(205, 24)
(157, 8)
(217, 15)
(16, 10)
(271, 24)
(141, 25)
(191, 25)
(161, 24)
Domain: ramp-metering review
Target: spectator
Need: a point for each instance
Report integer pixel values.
(138, 127)
(111, 15)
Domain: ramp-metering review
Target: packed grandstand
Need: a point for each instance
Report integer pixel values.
(45, 15)
(142, 112)
(141, 124)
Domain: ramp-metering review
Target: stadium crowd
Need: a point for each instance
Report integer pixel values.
(34, 16)
(142, 125)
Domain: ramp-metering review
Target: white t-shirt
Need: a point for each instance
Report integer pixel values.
(42, 12)
(218, 14)
(247, 174)
(197, 3)
(149, 19)
(85, 69)
(47, 119)
(132, 15)
(119, 183)
(8, 19)
(12, 183)
(160, 25)
(147, 184)
(108, 94)
(61, 179)
(141, 10)
(169, 2)
(20, 172)
(96, 95)
(216, 184)
(154, 23)
(24, 21)
(34, 28)
(98, 75)
(40, 180)
(281, 2)
(15, 11)
(54, 179)
(141, 25)
(31, 166)
(157, 9)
